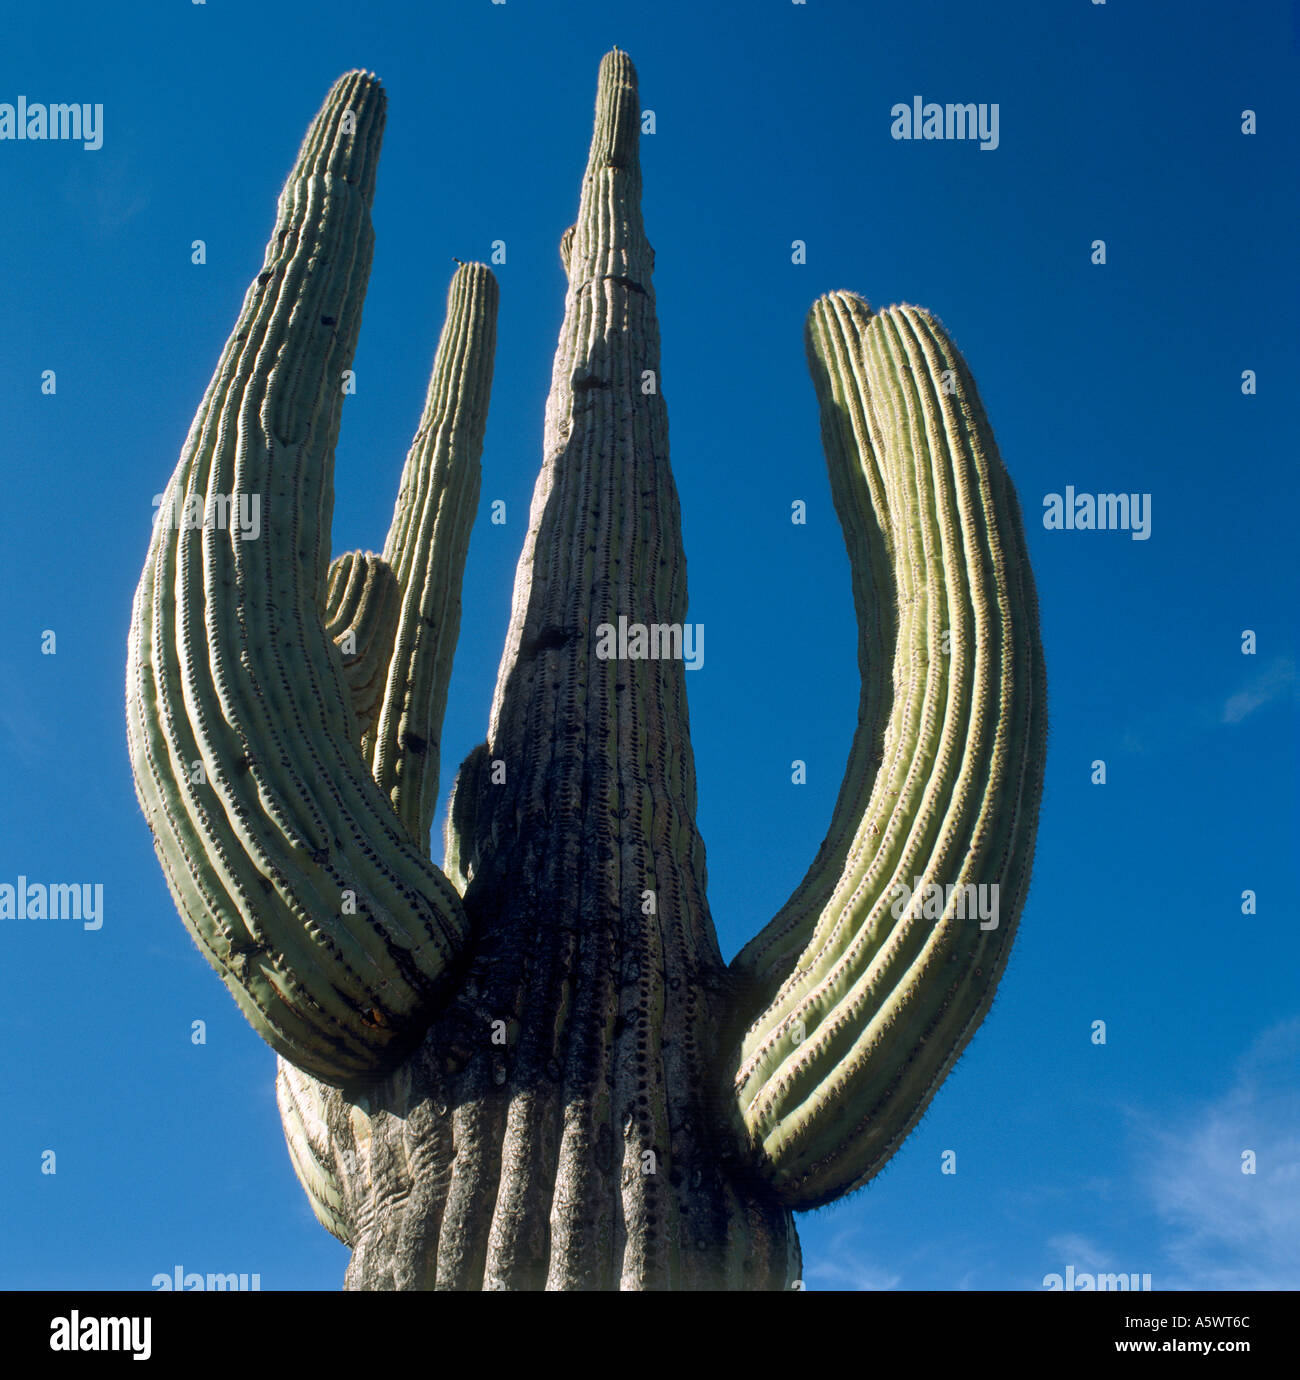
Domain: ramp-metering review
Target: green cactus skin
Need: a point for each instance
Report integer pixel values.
(597, 1101)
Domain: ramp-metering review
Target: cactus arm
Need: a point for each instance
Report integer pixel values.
(292, 872)
(427, 547)
(878, 1005)
(361, 607)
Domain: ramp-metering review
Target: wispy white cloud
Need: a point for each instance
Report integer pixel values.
(1273, 682)
(1176, 1206)
(1078, 1251)
(107, 191)
(1222, 1228)
(843, 1266)
(1166, 727)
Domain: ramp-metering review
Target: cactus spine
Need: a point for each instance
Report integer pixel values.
(533, 1068)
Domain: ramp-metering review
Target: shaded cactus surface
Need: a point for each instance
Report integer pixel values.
(532, 1068)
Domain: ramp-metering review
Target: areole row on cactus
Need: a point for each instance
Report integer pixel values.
(506, 1073)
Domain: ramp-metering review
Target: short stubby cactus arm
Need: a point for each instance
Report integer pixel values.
(361, 607)
(461, 850)
(293, 873)
(875, 975)
(427, 547)
(302, 1103)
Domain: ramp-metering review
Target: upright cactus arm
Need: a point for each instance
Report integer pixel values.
(873, 979)
(427, 546)
(299, 882)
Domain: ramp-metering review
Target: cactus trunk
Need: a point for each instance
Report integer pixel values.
(589, 1147)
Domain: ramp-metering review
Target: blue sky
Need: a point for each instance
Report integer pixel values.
(1116, 122)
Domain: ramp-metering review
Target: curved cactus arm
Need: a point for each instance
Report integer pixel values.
(427, 545)
(361, 608)
(897, 962)
(292, 872)
(301, 1100)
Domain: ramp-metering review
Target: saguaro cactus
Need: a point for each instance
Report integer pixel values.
(533, 1068)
